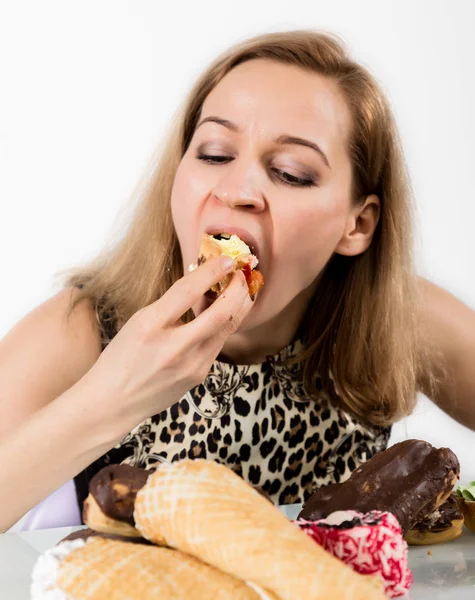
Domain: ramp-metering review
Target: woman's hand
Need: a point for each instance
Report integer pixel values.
(149, 365)
(156, 358)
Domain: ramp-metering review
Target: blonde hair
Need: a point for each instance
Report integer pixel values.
(360, 329)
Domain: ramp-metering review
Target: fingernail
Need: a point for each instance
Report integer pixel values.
(227, 262)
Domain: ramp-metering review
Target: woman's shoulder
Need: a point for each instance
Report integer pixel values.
(59, 331)
(61, 318)
(75, 321)
(45, 353)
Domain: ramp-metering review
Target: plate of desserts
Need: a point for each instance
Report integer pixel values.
(194, 529)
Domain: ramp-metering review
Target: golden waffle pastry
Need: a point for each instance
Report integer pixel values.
(106, 569)
(204, 509)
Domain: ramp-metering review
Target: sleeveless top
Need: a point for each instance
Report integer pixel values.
(256, 420)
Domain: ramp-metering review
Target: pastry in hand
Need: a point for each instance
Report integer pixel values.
(104, 569)
(206, 510)
(233, 246)
(410, 479)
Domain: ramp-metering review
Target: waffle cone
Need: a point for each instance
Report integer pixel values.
(204, 509)
(118, 570)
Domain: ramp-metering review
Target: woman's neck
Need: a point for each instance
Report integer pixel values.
(251, 347)
(245, 349)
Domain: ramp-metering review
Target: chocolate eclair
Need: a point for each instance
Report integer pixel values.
(443, 525)
(410, 479)
(109, 507)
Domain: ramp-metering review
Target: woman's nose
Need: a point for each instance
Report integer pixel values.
(233, 199)
(240, 190)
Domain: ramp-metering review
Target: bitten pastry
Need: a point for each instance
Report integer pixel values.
(233, 246)
(410, 479)
(104, 569)
(443, 525)
(204, 509)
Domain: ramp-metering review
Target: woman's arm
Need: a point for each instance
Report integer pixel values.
(43, 410)
(43, 355)
(449, 326)
(63, 403)
(49, 448)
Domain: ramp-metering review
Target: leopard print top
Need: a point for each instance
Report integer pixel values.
(256, 420)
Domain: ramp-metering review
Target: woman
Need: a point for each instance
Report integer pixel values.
(284, 137)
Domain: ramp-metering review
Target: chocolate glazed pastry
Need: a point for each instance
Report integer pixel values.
(443, 525)
(109, 508)
(411, 480)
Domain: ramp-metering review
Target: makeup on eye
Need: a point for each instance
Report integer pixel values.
(281, 139)
(283, 176)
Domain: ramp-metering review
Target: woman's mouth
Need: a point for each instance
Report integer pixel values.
(223, 231)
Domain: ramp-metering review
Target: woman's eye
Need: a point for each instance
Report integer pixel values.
(292, 180)
(283, 176)
(213, 159)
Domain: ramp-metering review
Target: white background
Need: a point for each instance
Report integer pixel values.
(87, 89)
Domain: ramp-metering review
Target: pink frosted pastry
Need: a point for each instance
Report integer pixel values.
(371, 543)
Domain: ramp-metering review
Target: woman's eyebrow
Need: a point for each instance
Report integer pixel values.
(281, 139)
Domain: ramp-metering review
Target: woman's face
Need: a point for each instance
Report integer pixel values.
(248, 173)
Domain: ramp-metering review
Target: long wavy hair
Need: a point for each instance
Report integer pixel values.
(360, 330)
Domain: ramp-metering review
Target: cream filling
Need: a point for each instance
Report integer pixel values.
(232, 246)
(45, 571)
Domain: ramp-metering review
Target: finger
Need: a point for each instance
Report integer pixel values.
(225, 315)
(212, 346)
(189, 289)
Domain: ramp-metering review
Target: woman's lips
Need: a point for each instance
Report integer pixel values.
(243, 234)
